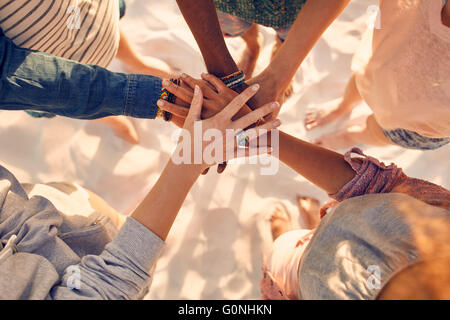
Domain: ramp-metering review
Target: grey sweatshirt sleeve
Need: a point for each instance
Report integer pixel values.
(121, 271)
(35, 263)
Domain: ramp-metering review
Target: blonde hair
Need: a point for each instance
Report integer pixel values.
(430, 278)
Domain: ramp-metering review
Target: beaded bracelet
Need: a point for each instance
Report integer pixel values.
(167, 115)
(234, 80)
(164, 96)
(233, 75)
(169, 97)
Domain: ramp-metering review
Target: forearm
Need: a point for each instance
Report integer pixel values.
(159, 209)
(312, 21)
(201, 17)
(31, 80)
(324, 168)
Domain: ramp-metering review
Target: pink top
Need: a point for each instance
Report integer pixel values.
(403, 74)
(373, 176)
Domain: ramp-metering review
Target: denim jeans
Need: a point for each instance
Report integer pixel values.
(32, 80)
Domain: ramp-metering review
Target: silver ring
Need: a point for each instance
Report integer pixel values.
(242, 140)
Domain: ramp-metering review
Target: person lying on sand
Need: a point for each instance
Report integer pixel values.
(88, 33)
(46, 254)
(402, 72)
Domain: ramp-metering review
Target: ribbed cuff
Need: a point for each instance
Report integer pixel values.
(142, 246)
(142, 94)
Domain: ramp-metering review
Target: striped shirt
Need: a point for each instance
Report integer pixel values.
(83, 30)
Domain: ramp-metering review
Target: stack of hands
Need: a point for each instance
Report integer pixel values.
(210, 101)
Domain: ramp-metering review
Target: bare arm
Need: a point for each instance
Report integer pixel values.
(159, 209)
(134, 60)
(333, 173)
(201, 17)
(312, 21)
(325, 168)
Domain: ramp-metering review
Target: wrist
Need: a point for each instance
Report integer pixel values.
(234, 79)
(190, 172)
(273, 80)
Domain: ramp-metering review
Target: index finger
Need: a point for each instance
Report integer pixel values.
(197, 103)
(238, 102)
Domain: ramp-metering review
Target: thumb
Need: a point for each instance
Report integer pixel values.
(196, 105)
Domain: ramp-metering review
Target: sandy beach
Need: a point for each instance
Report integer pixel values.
(214, 249)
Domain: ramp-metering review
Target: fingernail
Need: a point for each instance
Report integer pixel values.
(255, 87)
(274, 105)
(276, 123)
(183, 75)
(160, 103)
(196, 90)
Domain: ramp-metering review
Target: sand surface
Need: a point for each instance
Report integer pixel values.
(214, 249)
